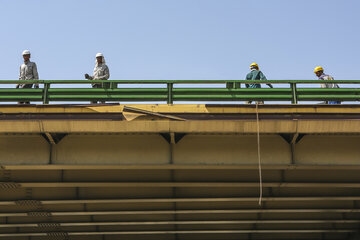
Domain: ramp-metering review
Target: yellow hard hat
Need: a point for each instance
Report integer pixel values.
(254, 65)
(318, 69)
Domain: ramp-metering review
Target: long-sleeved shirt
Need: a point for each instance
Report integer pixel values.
(255, 75)
(101, 72)
(28, 71)
(327, 85)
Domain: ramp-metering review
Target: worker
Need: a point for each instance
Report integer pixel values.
(255, 74)
(319, 72)
(28, 71)
(101, 72)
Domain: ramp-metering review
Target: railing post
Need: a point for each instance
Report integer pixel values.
(293, 93)
(170, 93)
(229, 85)
(46, 93)
(113, 85)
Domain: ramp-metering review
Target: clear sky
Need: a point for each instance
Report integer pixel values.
(182, 39)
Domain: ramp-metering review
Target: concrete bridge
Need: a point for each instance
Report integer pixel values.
(188, 172)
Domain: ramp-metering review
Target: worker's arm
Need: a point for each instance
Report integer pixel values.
(87, 76)
(247, 78)
(35, 75)
(20, 78)
(262, 77)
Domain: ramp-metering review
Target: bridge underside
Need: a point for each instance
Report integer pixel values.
(179, 172)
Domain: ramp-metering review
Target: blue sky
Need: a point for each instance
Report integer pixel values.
(182, 39)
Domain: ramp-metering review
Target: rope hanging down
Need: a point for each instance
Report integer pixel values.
(258, 153)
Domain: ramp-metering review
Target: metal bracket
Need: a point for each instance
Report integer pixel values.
(292, 138)
(173, 138)
(53, 138)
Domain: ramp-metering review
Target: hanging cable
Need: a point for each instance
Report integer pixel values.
(258, 153)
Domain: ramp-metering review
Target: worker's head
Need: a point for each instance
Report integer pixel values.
(254, 66)
(318, 71)
(26, 55)
(99, 57)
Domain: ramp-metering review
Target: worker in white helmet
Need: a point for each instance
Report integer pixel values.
(28, 71)
(101, 72)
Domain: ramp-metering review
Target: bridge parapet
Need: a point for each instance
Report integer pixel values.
(172, 91)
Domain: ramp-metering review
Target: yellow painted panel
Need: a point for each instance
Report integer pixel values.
(23, 149)
(215, 126)
(328, 126)
(231, 149)
(112, 149)
(330, 149)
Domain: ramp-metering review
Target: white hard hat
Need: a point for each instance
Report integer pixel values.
(26, 52)
(99, 55)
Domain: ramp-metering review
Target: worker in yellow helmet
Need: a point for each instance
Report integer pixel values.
(255, 74)
(319, 72)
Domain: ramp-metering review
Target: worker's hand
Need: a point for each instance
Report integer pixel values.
(271, 86)
(87, 76)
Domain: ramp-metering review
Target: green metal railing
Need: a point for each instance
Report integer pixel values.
(178, 90)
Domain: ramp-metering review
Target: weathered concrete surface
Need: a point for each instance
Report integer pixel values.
(23, 149)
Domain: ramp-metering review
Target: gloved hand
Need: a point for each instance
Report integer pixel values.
(87, 76)
(271, 86)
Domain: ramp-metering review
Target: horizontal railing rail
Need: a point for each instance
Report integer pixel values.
(175, 90)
